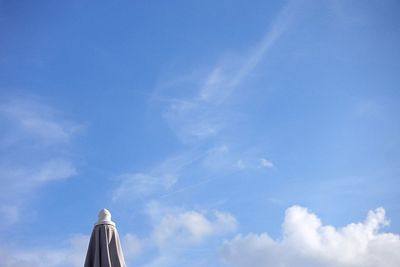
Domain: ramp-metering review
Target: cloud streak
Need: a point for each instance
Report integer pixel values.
(159, 179)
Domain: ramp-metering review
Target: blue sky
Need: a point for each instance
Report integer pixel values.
(218, 133)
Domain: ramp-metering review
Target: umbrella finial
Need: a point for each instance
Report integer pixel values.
(104, 245)
(104, 217)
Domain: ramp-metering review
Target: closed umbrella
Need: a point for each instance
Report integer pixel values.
(104, 247)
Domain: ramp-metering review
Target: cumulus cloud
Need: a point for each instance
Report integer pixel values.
(307, 242)
(192, 227)
(174, 233)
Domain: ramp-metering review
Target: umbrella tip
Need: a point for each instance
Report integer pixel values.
(104, 215)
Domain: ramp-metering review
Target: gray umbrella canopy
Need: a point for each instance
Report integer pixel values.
(104, 247)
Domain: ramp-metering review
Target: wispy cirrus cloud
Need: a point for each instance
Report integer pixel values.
(158, 179)
(19, 182)
(34, 151)
(162, 179)
(205, 114)
(138, 185)
(204, 118)
(224, 158)
(34, 120)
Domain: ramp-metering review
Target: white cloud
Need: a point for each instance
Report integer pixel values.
(213, 88)
(159, 179)
(218, 158)
(21, 180)
(32, 149)
(201, 120)
(307, 242)
(33, 119)
(71, 256)
(132, 246)
(222, 158)
(192, 227)
(264, 163)
(369, 109)
(203, 114)
(55, 169)
(174, 233)
(192, 120)
(10, 213)
(139, 185)
(18, 183)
